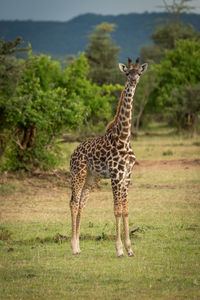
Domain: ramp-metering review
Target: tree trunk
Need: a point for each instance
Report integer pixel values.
(28, 139)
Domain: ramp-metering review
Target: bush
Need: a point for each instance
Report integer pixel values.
(177, 90)
(47, 102)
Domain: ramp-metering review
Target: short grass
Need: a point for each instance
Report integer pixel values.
(164, 199)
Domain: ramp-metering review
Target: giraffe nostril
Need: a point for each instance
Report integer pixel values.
(133, 81)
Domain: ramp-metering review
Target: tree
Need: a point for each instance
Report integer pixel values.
(177, 8)
(102, 55)
(185, 107)
(166, 35)
(47, 102)
(37, 113)
(144, 89)
(97, 100)
(11, 70)
(174, 46)
(178, 77)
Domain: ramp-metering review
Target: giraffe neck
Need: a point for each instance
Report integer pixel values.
(124, 118)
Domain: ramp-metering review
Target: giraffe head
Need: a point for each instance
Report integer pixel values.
(133, 72)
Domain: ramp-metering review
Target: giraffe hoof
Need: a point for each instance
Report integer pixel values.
(76, 253)
(121, 255)
(131, 254)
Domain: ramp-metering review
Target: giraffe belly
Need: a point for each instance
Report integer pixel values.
(100, 173)
(99, 170)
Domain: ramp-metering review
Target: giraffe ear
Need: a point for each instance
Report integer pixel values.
(123, 68)
(144, 67)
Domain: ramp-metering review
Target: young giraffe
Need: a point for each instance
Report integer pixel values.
(109, 156)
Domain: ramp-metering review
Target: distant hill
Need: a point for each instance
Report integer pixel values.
(63, 38)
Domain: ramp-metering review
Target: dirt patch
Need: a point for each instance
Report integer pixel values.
(177, 163)
(164, 186)
(38, 179)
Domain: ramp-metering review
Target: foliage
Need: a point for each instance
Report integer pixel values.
(11, 70)
(46, 102)
(175, 51)
(185, 106)
(178, 77)
(166, 35)
(144, 89)
(165, 38)
(102, 54)
(179, 67)
(95, 100)
(177, 8)
(37, 114)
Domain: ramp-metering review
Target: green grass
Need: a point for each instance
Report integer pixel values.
(35, 256)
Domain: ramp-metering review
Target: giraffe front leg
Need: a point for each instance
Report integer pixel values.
(119, 246)
(116, 187)
(127, 241)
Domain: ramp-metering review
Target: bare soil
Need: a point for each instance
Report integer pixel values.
(176, 163)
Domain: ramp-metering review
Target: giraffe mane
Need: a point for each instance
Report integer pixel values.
(117, 113)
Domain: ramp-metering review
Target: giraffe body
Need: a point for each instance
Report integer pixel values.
(109, 156)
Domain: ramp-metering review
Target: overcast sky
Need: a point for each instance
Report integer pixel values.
(63, 10)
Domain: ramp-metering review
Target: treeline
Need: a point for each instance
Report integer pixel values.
(63, 38)
(40, 99)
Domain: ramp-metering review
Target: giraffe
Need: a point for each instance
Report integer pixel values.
(108, 156)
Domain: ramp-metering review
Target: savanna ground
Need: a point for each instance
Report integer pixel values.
(35, 256)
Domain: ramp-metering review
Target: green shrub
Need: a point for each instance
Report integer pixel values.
(167, 152)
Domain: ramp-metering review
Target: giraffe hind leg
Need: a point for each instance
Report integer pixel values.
(116, 187)
(89, 184)
(82, 182)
